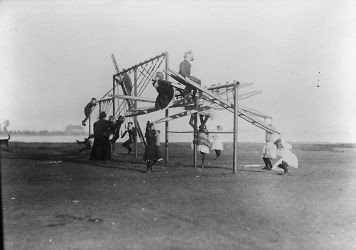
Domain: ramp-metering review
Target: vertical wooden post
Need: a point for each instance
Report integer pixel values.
(113, 96)
(166, 123)
(236, 116)
(195, 140)
(135, 106)
(90, 125)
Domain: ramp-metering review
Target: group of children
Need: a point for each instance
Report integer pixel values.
(104, 129)
(102, 145)
(205, 142)
(106, 133)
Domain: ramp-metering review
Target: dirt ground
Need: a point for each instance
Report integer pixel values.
(55, 198)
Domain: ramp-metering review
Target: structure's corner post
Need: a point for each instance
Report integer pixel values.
(236, 115)
(195, 140)
(89, 125)
(166, 137)
(135, 105)
(113, 96)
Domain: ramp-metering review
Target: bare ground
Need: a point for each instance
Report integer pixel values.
(54, 198)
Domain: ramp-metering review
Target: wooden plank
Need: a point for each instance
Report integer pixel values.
(255, 112)
(228, 105)
(218, 87)
(249, 94)
(182, 114)
(141, 112)
(135, 98)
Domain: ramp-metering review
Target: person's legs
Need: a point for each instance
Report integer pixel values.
(202, 159)
(203, 119)
(193, 120)
(194, 97)
(115, 137)
(85, 120)
(284, 166)
(268, 164)
(129, 147)
(159, 155)
(149, 166)
(218, 153)
(126, 145)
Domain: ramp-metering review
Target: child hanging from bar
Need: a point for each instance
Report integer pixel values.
(216, 142)
(131, 130)
(116, 126)
(203, 143)
(151, 155)
(88, 109)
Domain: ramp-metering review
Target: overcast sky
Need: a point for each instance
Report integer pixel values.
(55, 56)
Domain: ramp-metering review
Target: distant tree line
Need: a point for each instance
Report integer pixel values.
(69, 130)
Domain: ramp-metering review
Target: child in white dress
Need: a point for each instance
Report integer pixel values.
(287, 158)
(216, 142)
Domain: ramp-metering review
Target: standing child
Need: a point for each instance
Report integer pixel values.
(151, 154)
(216, 142)
(203, 143)
(158, 144)
(268, 152)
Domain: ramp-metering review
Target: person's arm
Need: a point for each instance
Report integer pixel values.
(263, 151)
(124, 134)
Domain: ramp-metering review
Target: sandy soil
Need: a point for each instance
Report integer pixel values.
(55, 198)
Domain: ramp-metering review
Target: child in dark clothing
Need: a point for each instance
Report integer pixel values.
(151, 154)
(87, 110)
(116, 126)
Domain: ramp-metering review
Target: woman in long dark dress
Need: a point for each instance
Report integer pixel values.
(101, 150)
(151, 154)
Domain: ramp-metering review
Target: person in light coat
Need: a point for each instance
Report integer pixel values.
(268, 152)
(203, 143)
(217, 143)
